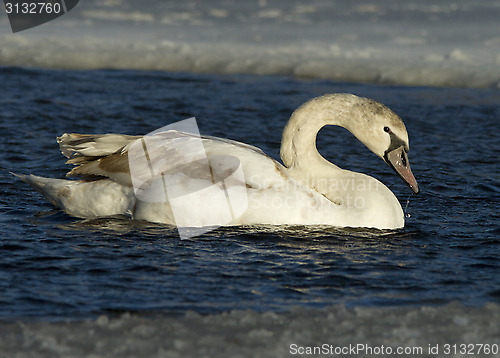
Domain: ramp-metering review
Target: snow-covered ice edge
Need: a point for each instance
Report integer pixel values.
(269, 334)
(388, 42)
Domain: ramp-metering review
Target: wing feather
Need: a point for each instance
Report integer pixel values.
(169, 152)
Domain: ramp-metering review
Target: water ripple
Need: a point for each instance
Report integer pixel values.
(53, 265)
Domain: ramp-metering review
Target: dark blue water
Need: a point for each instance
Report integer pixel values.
(53, 266)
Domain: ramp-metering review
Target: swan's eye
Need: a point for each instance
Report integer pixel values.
(387, 129)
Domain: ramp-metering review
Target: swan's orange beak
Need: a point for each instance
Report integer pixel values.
(398, 160)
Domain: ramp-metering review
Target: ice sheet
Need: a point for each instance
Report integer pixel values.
(421, 331)
(399, 42)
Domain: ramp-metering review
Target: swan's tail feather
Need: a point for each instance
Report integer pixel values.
(52, 189)
(81, 199)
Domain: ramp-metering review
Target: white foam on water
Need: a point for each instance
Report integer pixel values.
(398, 42)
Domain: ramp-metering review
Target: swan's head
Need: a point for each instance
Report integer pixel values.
(381, 130)
(375, 125)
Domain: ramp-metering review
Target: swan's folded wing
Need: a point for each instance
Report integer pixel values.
(119, 157)
(217, 141)
(74, 145)
(138, 160)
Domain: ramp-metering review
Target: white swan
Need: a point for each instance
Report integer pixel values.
(306, 190)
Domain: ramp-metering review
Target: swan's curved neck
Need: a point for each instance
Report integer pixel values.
(298, 143)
